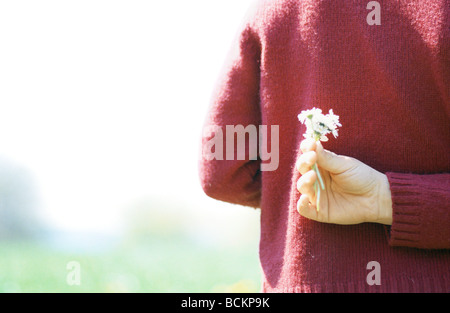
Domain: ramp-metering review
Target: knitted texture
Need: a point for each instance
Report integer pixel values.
(390, 85)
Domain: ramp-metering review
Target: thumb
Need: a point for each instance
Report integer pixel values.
(331, 161)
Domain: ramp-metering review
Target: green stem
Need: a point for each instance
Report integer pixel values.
(316, 169)
(317, 191)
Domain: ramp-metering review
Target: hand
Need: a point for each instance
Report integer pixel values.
(354, 192)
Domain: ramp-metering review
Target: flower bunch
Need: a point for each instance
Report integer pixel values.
(318, 126)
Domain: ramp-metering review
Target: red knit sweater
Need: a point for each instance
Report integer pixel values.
(390, 85)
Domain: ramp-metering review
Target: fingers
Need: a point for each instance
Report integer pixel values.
(308, 156)
(313, 151)
(305, 185)
(305, 208)
(308, 145)
(332, 162)
(306, 161)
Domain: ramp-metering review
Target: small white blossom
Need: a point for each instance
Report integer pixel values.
(308, 114)
(318, 125)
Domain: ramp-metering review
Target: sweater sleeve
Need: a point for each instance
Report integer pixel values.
(224, 174)
(421, 210)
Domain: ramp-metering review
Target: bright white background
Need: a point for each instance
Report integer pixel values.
(103, 102)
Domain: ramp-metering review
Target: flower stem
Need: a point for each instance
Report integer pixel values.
(316, 169)
(317, 187)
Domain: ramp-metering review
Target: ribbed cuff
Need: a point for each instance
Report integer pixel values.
(406, 210)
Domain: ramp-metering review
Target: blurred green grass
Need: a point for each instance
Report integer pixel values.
(165, 246)
(171, 265)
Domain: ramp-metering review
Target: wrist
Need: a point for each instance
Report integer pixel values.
(384, 201)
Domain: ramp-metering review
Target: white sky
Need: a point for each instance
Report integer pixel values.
(103, 101)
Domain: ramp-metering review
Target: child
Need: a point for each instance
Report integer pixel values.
(384, 218)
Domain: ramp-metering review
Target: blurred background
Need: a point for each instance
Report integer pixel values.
(101, 109)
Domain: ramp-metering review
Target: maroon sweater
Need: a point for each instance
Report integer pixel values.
(390, 85)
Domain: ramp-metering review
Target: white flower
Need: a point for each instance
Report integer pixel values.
(318, 126)
(308, 114)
